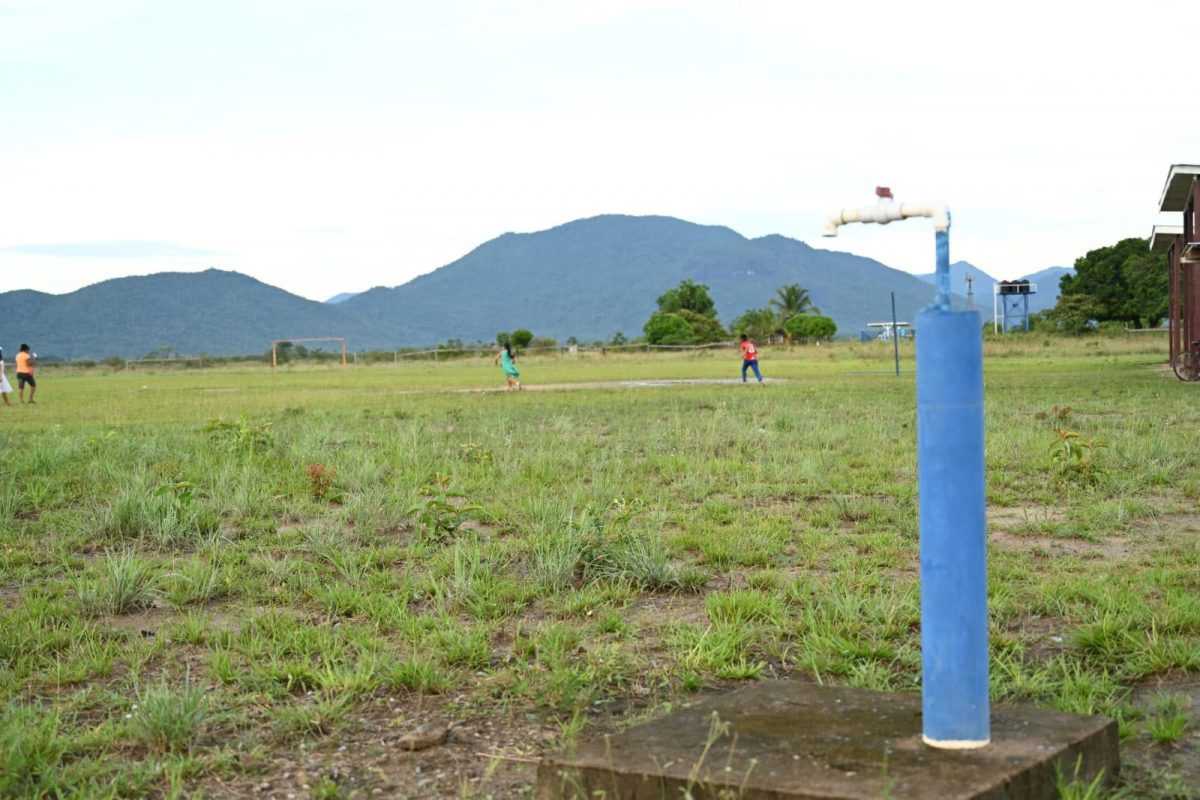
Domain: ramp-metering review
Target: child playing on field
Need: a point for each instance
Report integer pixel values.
(26, 361)
(750, 359)
(5, 386)
(508, 362)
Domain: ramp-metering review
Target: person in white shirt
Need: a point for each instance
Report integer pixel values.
(5, 386)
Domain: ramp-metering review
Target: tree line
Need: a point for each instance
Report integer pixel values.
(687, 315)
(1124, 283)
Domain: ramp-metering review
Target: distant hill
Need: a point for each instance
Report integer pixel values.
(1048, 286)
(340, 298)
(213, 312)
(593, 277)
(588, 279)
(982, 284)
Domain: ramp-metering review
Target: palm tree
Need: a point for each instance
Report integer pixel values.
(791, 300)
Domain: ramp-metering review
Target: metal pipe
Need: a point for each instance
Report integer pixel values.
(941, 277)
(886, 211)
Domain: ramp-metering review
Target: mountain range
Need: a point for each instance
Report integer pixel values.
(589, 278)
(983, 285)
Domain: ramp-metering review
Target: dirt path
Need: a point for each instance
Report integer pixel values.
(636, 384)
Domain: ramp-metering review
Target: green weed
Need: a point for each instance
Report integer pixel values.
(439, 511)
(243, 437)
(1074, 788)
(1076, 459)
(1169, 719)
(320, 482)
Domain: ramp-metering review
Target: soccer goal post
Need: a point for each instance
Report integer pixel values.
(276, 342)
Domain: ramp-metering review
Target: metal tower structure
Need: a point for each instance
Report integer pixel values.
(1010, 304)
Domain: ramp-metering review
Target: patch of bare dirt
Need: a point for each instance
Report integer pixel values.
(483, 528)
(1180, 759)
(1111, 548)
(653, 611)
(475, 754)
(1009, 518)
(554, 387)
(1019, 529)
(148, 622)
(1177, 522)
(480, 756)
(1043, 637)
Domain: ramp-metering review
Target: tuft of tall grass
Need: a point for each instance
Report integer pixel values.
(557, 559)
(197, 582)
(168, 719)
(419, 674)
(318, 717)
(723, 651)
(126, 582)
(744, 606)
(466, 648)
(162, 517)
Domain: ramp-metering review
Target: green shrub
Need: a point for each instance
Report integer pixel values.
(668, 328)
(811, 328)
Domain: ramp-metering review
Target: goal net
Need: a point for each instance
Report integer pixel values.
(277, 343)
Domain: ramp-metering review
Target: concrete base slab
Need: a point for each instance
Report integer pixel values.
(777, 740)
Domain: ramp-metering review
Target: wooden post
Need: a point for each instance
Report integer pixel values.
(1173, 294)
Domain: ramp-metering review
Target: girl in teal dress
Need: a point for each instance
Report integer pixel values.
(508, 362)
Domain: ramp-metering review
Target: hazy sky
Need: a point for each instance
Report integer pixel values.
(334, 146)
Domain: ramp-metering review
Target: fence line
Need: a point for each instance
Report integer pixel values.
(179, 360)
(478, 352)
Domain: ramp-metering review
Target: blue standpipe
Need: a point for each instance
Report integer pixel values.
(953, 519)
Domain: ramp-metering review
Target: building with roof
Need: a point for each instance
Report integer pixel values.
(1181, 243)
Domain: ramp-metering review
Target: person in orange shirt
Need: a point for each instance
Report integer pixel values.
(26, 362)
(750, 359)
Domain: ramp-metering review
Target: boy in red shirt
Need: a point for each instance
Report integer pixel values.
(750, 359)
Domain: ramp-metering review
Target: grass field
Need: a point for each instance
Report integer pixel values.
(230, 582)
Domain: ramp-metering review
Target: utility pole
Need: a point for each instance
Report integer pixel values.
(970, 293)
